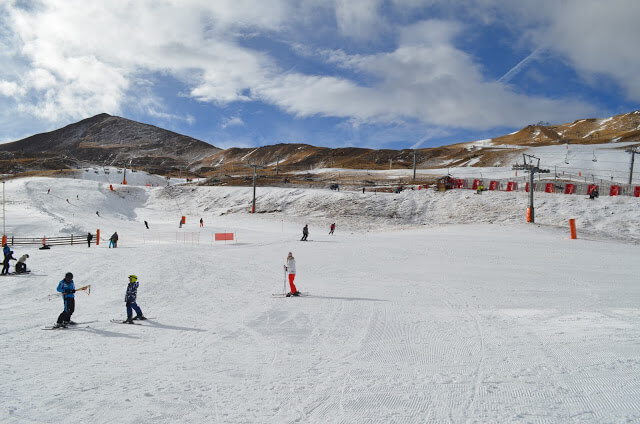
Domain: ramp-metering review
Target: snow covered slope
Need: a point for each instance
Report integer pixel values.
(424, 307)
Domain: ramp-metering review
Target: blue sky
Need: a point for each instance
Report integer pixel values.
(366, 73)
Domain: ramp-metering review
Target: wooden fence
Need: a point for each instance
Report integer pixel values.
(51, 241)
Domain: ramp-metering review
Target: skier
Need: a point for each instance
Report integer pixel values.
(201, 223)
(21, 266)
(305, 232)
(113, 240)
(89, 238)
(146, 224)
(291, 268)
(98, 213)
(130, 300)
(332, 228)
(67, 288)
(7, 257)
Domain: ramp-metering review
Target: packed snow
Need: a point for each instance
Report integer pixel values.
(423, 307)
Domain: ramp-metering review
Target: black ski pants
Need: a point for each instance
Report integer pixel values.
(69, 307)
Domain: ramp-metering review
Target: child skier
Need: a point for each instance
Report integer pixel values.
(130, 300)
(291, 268)
(67, 287)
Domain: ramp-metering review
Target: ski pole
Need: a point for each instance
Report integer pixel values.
(86, 288)
(284, 282)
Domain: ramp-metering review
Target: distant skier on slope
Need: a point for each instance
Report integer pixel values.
(89, 238)
(332, 228)
(305, 232)
(290, 267)
(130, 300)
(67, 287)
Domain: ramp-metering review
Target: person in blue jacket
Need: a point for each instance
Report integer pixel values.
(67, 287)
(8, 256)
(130, 300)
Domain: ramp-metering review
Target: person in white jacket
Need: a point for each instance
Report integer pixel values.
(290, 267)
(21, 266)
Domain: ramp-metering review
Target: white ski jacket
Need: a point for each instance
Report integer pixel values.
(291, 266)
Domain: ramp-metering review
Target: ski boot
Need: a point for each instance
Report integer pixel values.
(128, 321)
(139, 317)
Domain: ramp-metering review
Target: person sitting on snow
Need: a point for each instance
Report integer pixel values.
(21, 266)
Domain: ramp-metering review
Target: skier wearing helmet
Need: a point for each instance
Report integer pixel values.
(130, 300)
(67, 287)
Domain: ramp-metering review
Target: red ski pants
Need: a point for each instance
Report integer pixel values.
(293, 286)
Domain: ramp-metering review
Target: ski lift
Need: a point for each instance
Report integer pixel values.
(594, 157)
(566, 159)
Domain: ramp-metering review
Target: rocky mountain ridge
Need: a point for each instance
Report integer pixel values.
(105, 140)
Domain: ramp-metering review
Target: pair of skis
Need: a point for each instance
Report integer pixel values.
(284, 289)
(81, 324)
(70, 325)
(300, 294)
(119, 321)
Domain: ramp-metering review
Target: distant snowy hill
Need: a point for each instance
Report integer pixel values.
(105, 140)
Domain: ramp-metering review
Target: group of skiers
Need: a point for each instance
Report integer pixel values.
(305, 231)
(67, 288)
(21, 265)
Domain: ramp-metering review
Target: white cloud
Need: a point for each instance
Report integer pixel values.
(234, 121)
(427, 79)
(358, 18)
(73, 58)
(9, 89)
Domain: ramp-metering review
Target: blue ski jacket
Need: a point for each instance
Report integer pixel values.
(132, 292)
(67, 289)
